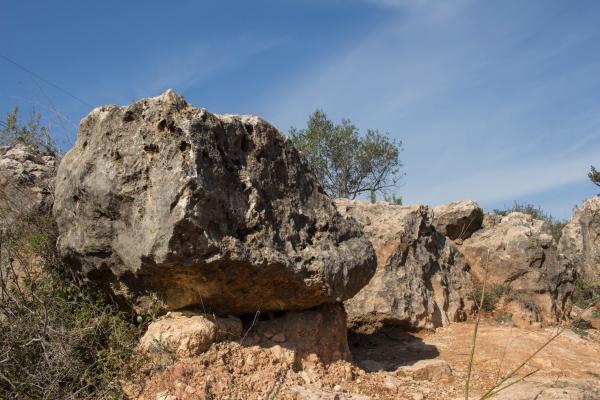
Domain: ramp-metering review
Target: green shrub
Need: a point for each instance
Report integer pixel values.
(585, 293)
(504, 318)
(32, 134)
(56, 340)
(492, 296)
(525, 300)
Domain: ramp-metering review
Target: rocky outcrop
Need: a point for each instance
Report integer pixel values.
(220, 210)
(422, 281)
(26, 182)
(458, 219)
(519, 254)
(187, 333)
(580, 240)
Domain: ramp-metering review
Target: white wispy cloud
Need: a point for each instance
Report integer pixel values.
(182, 66)
(480, 109)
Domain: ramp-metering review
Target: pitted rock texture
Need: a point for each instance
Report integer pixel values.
(188, 333)
(26, 182)
(422, 281)
(202, 209)
(580, 240)
(519, 253)
(458, 219)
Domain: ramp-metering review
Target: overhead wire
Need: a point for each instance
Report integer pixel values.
(54, 85)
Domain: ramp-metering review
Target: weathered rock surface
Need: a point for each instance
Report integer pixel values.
(422, 280)
(319, 333)
(550, 389)
(519, 253)
(219, 210)
(580, 240)
(458, 219)
(26, 181)
(187, 333)
(432, 370)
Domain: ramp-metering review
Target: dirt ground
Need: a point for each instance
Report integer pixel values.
(231, 371)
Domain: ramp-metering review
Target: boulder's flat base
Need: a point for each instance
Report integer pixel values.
(569, 366)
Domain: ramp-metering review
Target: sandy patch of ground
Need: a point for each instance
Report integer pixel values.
(231, 371)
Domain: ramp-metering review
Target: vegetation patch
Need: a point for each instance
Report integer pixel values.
(56, 341)
(585, 293)
(491, 296)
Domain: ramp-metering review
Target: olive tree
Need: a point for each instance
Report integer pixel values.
(594, 176)
(346, 162)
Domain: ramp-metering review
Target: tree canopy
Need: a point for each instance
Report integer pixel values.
(594, 176)
(346, 162)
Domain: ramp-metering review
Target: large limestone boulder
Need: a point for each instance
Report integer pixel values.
(580, 240)
(422, 281)
(519, 254)
(458, 219)
(202, 209)
(26, 182)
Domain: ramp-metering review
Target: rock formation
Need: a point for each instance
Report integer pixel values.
(202, 209)
(580, 240)
(318, 333)
(187, 333)
(422, 280)
(26, 181)
(458, 219)
(519, 253)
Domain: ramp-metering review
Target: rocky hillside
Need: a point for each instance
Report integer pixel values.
(262, 287)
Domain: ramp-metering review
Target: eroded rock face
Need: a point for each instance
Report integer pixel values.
(422, 281)
(580, 240)
(219, 210)
(26, 181)
(519, 253)
(318, 333)
(458, 219)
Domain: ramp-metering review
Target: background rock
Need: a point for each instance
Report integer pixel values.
(520, 254)
(580, 240)
(422, 280)
(26, 182)
(458, 219)
(162, 197)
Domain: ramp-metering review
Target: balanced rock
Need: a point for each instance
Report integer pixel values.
(458, 219)
(26, 182)
(422, 280)
(159, 197)
(580, 240)
(518, 253)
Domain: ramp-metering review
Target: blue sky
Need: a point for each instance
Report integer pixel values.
(494, 100)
